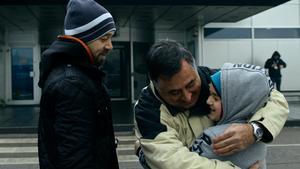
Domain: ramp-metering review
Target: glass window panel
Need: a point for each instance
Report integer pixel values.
(141, 80)
(117, 76)
(22, 73)
(269, 33)
(227, 33)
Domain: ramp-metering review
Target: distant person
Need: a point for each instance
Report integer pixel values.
(237, 91)
(75, 125)
(274, 65)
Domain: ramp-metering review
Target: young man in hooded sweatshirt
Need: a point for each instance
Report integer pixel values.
(75, 125)
(237, 91)
(274, 66)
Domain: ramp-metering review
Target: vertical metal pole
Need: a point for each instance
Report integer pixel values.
(131, 62)
(252, 41)
(200, 45)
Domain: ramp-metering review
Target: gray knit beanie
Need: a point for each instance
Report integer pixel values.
(87, 20)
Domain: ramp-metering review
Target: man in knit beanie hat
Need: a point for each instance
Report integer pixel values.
(93, 24)
(75, 124)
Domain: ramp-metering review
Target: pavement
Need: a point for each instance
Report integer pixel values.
(284, 151)
(19, 151)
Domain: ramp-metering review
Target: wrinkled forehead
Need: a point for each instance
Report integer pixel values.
(178, 81)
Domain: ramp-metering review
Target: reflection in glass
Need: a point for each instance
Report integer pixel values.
(227, 33)
(112, 69)
(116, 68)
(22, 73)
(140, 50)
(269, 33)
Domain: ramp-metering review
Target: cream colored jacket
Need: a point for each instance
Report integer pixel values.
(166, 137)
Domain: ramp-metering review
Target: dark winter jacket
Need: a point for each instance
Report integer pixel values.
(274, 64)
(75, 125)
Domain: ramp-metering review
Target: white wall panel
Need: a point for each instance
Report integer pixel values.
(239, 51)
(262, 50)
(286, 15)
(290, 53)
(215, 53)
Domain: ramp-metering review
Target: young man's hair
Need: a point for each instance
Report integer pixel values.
(164, 59)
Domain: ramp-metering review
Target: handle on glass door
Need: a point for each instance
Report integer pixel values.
(31, 74)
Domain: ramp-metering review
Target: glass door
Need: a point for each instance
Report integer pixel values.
(22, 74)
(21, 77)
(117, 80)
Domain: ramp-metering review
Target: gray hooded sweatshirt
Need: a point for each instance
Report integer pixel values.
(245, 89)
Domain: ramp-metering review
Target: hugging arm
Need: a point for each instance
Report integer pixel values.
(271, 118)
(166, 147)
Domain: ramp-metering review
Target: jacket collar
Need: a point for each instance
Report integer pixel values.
(68, 50)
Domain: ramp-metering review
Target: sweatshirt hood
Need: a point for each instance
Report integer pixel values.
(276, 55)
(65, 50)
(245, 88)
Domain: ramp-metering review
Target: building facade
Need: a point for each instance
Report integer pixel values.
(254, 39)
(215, 32)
